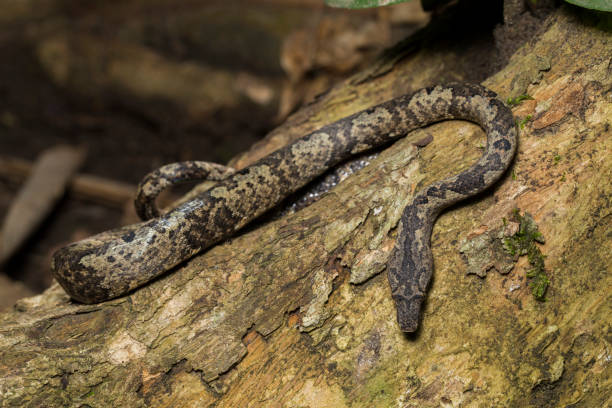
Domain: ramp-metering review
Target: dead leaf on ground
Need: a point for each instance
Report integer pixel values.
(46, 184)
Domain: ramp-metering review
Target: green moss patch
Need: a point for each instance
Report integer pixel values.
(523, 242)
(517, 100)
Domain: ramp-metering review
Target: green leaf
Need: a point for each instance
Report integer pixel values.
(355, 4)
(603, 5)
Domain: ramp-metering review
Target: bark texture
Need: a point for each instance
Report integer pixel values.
(297, 312)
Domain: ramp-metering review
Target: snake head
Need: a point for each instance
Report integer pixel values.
(409, 312)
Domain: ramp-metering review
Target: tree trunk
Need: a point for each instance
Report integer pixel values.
(297, 312)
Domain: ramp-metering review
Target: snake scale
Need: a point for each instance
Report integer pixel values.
(113, 263)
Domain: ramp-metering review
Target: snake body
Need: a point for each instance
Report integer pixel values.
(113, 263)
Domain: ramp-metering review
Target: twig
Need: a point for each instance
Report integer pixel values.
(84, 186)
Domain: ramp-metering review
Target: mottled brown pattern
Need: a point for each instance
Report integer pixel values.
(157, 181)
(115, 262)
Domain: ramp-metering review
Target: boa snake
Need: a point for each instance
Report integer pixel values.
(113, 263)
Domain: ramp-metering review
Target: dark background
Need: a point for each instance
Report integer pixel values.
(79, 74)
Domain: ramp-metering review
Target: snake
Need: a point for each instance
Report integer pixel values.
(116, 262)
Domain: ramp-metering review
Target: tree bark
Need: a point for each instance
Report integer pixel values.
(297, 312)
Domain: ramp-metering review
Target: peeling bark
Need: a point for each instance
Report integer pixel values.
(296, 312)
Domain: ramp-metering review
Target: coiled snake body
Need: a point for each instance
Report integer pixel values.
(115, 262)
